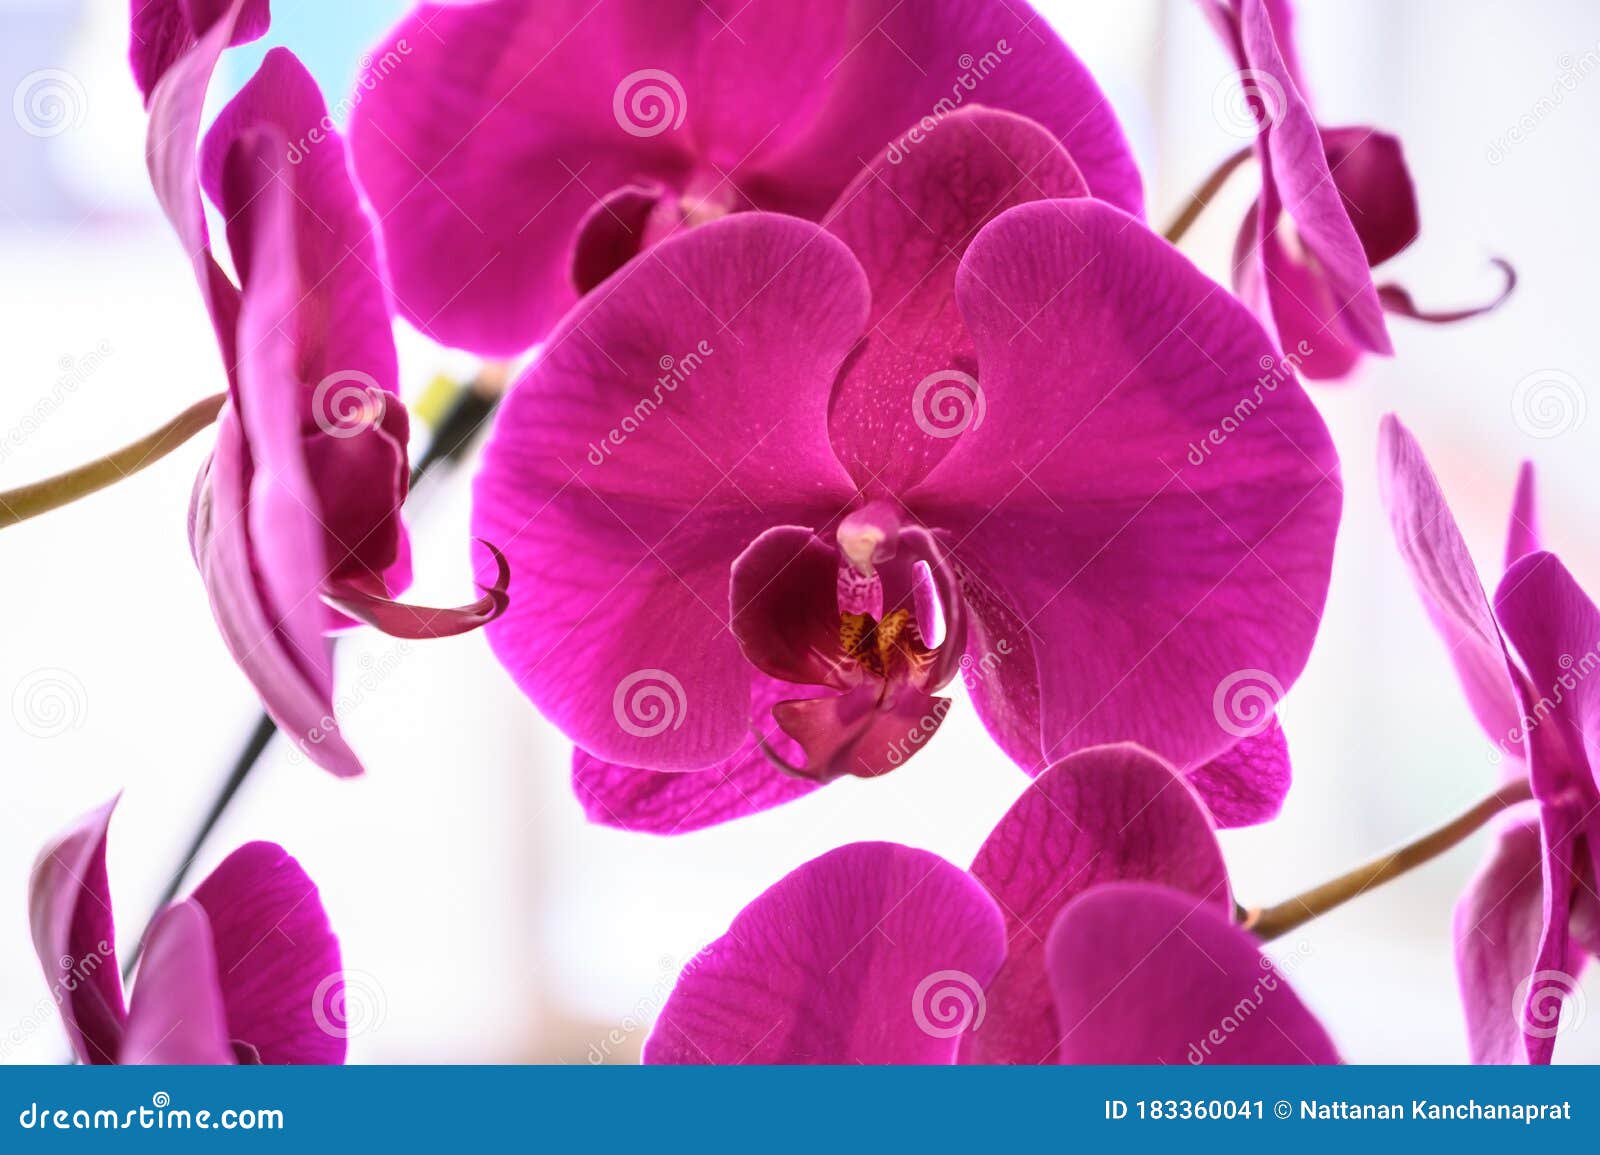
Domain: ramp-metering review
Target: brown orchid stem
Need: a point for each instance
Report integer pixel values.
(1205, 194)
(1272, 922)
(64, 488)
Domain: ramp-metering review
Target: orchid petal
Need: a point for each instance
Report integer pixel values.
(1107, 814)
(1136, 578)
(1146, 974)
(872, 953)
(1246, 784)
(784, 594)
(1300, 184)
(176, 1016)
(662, 802)
(278, 963)
(417, 622)
(865, 732)
(909, 219)
(174, 77)
(1555, 629)
(163, 32)
(1499, 923)
(623, 502)
(1522, 533)
(74, 935)
(487, 133)
(1435, 553)
(1369, 169)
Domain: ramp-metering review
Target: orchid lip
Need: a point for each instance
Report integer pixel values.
(853, 617)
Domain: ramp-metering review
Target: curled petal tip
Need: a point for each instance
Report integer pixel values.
(419, 623)
(1397, 300)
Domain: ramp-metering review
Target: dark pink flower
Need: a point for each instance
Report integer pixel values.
(243, 971)
(519, 152)
(1335, 203)
(296, 521)
(774, 486)
(1526, 926)
(1095, 926)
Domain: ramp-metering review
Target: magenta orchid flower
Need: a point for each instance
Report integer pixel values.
(296, 523)
(520, 152)
(245, 970)
(1095, 926)
(1527, 924)
(1335, 203)
(776, 486)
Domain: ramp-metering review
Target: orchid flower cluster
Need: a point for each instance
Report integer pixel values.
(850, 368)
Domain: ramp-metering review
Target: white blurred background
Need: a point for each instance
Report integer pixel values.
(486, 920)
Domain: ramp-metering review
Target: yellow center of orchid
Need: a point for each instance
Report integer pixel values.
(886, 647)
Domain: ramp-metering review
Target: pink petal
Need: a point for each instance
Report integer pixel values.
(1555, 627)
(1115, 813)
(487, 133)
(278, 960)
(662, 802)
(314, 266)
(1246, 784)
(74, 935)
(873, 953)
(295, 497)
(1146, 974)
(1556, 965)
(293, 675)
(867, 731)
(1369, 169)
(176, 1016)
(400, 620)
(1295, 299)
(622, 502)
(1151, 564)
(612, 233)
(162, 32)
(909, 217)
(1499, 922)
(1298, 182)
(1522, 534)
(1434, 552)
(999, 669)
(174, 72)
(784, 596)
